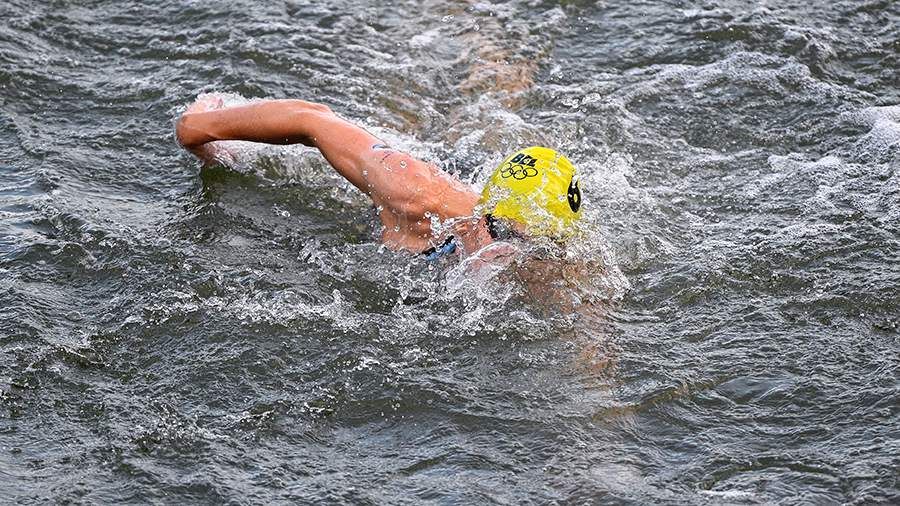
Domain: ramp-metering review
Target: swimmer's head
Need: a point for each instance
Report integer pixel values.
(537, 188)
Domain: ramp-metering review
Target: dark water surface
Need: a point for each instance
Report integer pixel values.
(172, 336)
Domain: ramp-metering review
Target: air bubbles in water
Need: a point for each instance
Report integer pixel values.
(280, 211)
(437, 227)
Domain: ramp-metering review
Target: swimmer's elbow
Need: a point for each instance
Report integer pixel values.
(305, 106)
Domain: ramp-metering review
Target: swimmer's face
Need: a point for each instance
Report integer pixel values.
(503, 229)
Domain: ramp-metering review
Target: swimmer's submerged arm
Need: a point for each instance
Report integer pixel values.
(348, 148)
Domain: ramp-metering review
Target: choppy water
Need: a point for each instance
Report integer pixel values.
(240, 336)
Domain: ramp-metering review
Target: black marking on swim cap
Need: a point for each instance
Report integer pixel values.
(523, 159)
(574, 195)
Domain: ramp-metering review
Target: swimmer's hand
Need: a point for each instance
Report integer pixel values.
(206, 152)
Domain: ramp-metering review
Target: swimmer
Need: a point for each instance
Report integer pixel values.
(424, 210)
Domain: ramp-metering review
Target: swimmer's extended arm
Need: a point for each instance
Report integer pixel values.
(348, 148)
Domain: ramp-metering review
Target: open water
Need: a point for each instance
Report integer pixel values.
(237, 334)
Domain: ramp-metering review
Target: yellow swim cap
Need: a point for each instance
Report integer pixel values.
(538, 188)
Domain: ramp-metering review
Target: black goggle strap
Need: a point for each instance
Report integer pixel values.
(492, 226)
(499, 230)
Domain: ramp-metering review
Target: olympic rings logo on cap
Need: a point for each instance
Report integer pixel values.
(520, 167)
(518, 171)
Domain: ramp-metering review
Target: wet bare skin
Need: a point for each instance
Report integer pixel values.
(407, 191)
